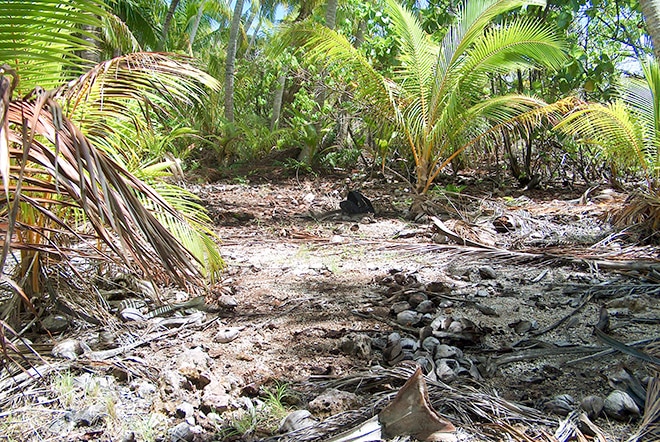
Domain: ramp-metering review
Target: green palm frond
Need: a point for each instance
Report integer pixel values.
(415, 75)
(118, 36)
(610, 126)
(418, 52)
(194, 230)
(142, 17)
(647, 109)
(503, 109)
(165, 83)
(652, 75)
(520, 44)
(436, 98)
(42, 37)
(475, 16)
(509, 113)
(640, 100)
(627, 130)
(210, 16)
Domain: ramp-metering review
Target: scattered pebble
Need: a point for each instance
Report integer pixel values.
(357, 344)
(296, 420)
(561, 404)
(226, 334)
(592, 405)
(487, 272)
(55, 323)
(181, 433)
(333, 401)
(408, 318)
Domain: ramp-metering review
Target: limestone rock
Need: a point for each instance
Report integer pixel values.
(357, 344)
(194, 365)
(334, 401)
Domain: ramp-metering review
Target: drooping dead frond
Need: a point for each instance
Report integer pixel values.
(117, 103)
(650, 425)
(640, 217)
(107, 194)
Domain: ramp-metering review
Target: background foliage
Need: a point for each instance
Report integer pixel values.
(150, 111)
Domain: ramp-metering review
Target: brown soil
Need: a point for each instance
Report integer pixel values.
(305, 286)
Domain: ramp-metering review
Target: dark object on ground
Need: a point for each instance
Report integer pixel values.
(530, 182)
(356, 203)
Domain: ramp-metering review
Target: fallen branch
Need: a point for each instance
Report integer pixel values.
(610, 351)
(584, 302)
(626, 349)
(535, 353)
(107, 354)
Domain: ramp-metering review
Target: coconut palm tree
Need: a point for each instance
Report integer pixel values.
(207, 14)
(627, 129)
(651, 11)
(628, 133)
(230, 64)
(63, 161)
(166, 23)
(438, 99)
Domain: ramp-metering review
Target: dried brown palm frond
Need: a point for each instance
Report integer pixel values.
(626, 349)
(13, 387)
(572, 427)
(120, 104)
(507, 222)
(649, 427)
(592, 258)
(16, 354)
(69, 192)
(640, 217)
(14, 351)
(85, 177)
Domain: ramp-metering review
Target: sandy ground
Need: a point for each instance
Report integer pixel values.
(306, 284)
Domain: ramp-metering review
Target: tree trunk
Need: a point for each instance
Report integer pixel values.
(254, 36)
(344, 119)
(308, 151)
(422, 172)
(360, 34)
(230, 66)
(277, 101)
(331, 14)
(195, 27)
(166, 24)
(651, 11)
(92, 53)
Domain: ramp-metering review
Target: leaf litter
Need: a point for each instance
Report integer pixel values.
(496, 298)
